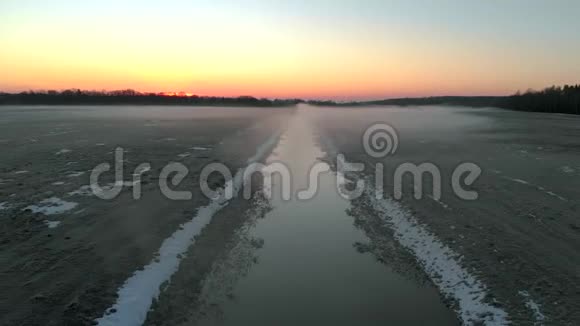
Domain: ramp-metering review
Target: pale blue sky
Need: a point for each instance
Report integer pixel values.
(463, 47)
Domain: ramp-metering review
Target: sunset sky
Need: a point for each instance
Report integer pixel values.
(310, 49)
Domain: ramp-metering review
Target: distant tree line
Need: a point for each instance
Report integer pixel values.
(474, 101)
(555, 99)
(129, 96)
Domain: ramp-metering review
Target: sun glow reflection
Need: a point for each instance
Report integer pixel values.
(180, 94)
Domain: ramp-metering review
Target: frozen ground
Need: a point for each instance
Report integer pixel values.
(522, 234)
(64, 253)
(68, 257)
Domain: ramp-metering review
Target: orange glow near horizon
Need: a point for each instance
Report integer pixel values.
(285, 49)
(181, 94)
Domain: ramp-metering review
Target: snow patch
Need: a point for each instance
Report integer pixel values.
(138, 292)
(57, 133)
(440, 263)
(184, 155)
(51, 224)
(20, 172)
(63, 151)
(82, 191)
(75, 174)
(521, 181)
(200, 148)
(86, 190)
(51, 206)
(124, 183)
(142, 170)
(439, 202)
(534, 308)
(58, 183)
(4, 205)
(567, 169)
(264, 148)
(540, 188)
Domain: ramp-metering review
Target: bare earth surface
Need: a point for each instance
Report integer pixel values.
(70, 274)
(66, 255)
(522, 235)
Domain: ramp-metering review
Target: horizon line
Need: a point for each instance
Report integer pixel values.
(183, 94)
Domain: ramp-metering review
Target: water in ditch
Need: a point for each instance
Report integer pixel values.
(308, 271)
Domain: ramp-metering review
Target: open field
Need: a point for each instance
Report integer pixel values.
(521, 237)
(70, 273)
(68, 257)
